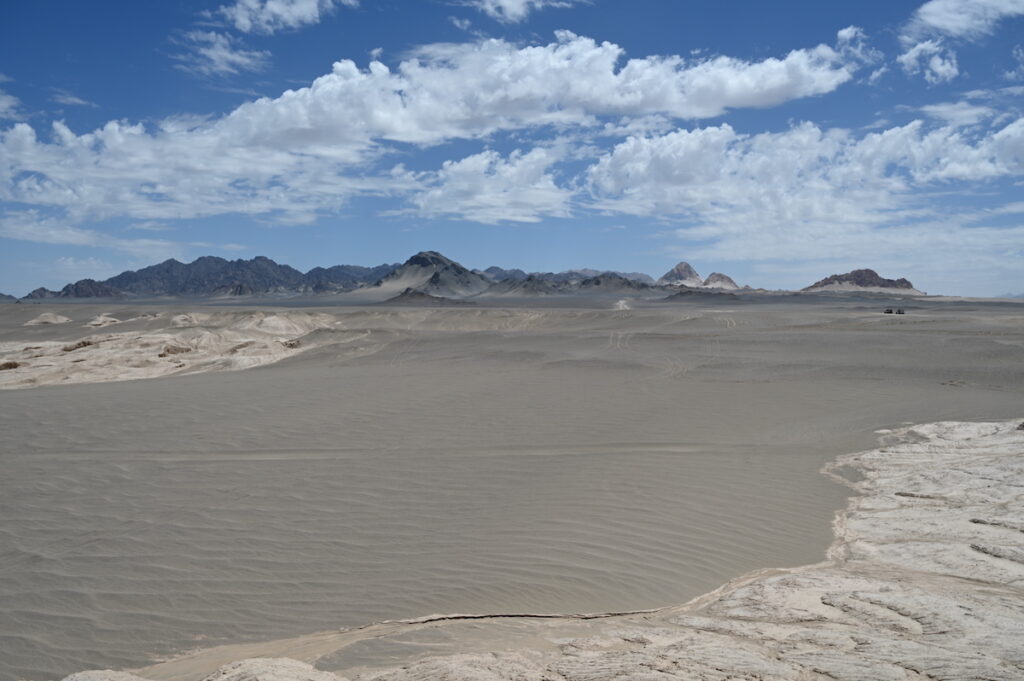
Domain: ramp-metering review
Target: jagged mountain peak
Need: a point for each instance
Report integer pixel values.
(430, 259)
(682, 273)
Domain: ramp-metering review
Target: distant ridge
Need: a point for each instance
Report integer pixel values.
(6, 298)
(532, 285)
(699, 294)
(427, 272)
(865, 279)
(89, 288)
(213, 276)
(40, 293)
(612, 282)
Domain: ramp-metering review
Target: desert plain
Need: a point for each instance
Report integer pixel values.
(317, 482)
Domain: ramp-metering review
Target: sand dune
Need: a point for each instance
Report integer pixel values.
(102, 320)
(47, 318)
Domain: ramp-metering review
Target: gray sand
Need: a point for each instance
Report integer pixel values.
(452, 460)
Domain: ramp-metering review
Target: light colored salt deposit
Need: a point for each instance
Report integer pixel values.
(193, 342)
(257, 669)
(47, 318)
(923, 581)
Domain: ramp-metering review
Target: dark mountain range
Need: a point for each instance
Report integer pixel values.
(532, 285)
(207, 276)
(4, 298)
(212, 276)
(41, 293)
(861, 279)
(345, 277)
(427, 272)
(578, 276)
(689, 294)
(612, 282)
(499, 274)
(89, 288)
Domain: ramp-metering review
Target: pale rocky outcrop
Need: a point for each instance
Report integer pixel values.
(189, 343)
(719, 280)
(256, 669)
(47, 318)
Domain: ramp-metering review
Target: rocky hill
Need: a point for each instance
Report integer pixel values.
(430, 272)
(720, 281)
(41, 293)
(862, 280)
(681, 275)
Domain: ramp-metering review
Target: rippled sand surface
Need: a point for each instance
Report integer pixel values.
(409, 462)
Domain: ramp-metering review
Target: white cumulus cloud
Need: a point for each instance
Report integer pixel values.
(217, 54)
(966, 19)
(308, 150)
(936, 22)
(9, 107)
(487, 188)
(513, 11)
(958, 113)
(270, 16)
(930, 57)
(800, 194)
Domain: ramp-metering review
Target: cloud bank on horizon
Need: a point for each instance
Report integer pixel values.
(845, 140)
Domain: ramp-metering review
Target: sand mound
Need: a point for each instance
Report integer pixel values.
(102, 320)
(192, 342)
(47, 318)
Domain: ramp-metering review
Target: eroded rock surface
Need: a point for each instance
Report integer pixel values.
(188, 343)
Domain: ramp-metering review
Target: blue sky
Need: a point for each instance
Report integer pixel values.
(775, 142)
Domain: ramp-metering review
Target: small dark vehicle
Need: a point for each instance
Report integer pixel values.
(888, 310)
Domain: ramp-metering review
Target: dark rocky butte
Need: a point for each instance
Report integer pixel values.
(866, 278)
